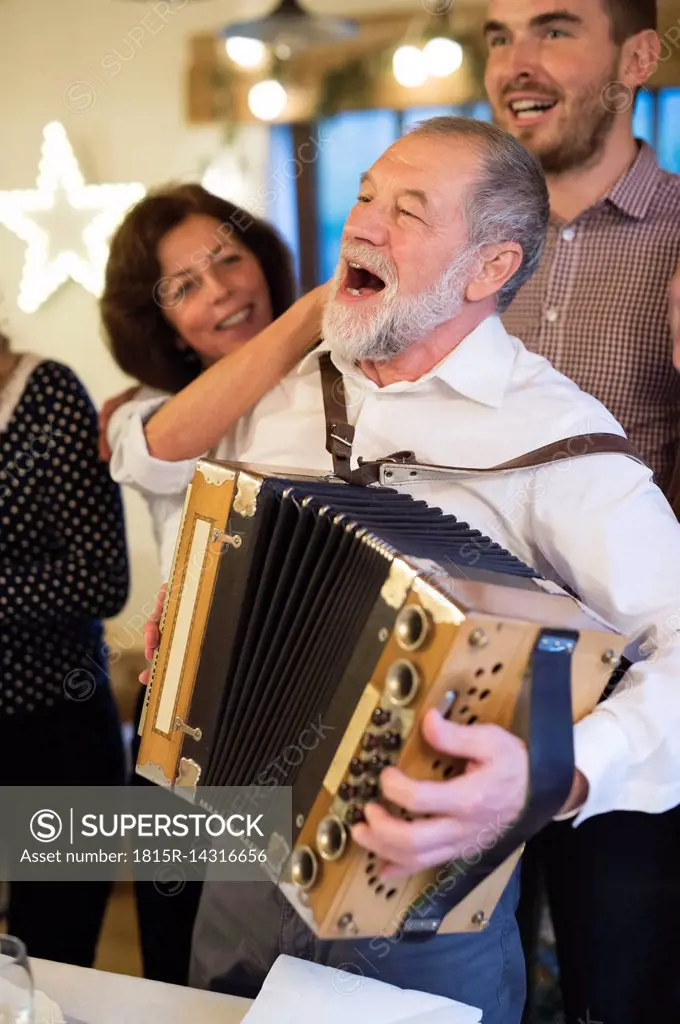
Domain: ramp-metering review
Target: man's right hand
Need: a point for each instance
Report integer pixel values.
(105, 414)
(152, 634)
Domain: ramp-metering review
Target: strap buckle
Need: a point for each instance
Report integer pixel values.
(340, 439)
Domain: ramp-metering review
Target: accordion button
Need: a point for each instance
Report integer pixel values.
(370, 791)
(356, 767)
(376, 765)
(370, 741)
(391, 741)
(354, 815)
(347, 792)
(381, 716)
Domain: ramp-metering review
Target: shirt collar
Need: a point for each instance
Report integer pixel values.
(634, 191)
(479, 368)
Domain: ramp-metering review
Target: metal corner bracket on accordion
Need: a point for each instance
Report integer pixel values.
(295, 600)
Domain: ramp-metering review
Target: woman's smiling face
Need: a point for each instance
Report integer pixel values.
(212, 289)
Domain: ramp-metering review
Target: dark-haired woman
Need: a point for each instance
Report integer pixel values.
(63, 568)
(198, 307)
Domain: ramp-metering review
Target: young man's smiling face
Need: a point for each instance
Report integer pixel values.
(549, 65)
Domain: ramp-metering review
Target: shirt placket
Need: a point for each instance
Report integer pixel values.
(566, 244)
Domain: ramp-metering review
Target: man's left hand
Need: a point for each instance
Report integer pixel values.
(674, 311)
(468, 812)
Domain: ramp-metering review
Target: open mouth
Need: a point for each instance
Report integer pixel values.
(235, 320)
(361, 282)
(531, 109)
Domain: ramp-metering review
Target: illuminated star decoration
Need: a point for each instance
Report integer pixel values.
(65, 223)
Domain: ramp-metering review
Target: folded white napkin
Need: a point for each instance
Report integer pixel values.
(45, 1011)
(298, 992)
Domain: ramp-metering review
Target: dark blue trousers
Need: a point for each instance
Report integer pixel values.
(242, 928)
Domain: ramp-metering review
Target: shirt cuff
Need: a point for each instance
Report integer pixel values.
(131, 462)
(602, 752)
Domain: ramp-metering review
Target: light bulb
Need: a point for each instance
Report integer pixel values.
(409, 66)
(443, 56)
(249, 53)
(267, 100)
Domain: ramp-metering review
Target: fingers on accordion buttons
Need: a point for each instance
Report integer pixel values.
(355, 814)
(370, 791)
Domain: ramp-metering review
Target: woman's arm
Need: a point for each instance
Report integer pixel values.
(196, 419)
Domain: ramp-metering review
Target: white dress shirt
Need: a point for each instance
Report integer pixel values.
(598, 524)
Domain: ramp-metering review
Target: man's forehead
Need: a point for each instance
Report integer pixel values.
(507, 11)
(431, 163)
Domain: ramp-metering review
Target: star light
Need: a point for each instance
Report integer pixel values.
(65, 223)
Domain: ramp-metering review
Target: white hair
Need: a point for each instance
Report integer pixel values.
(509, 202)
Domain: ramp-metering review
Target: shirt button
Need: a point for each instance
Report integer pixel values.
(551, 316)
(568, 234)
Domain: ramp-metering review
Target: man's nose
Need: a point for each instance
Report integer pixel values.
(524, 60)
(367, 223)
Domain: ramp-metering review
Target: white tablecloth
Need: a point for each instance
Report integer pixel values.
(96, 997)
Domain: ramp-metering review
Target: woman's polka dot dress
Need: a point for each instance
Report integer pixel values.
(63, 557)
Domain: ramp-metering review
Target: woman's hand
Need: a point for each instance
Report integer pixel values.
(152, 634)
(311, 307)
(105, 414)
(319, 296)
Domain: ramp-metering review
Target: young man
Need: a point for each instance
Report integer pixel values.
(561, 77)
(450, 222)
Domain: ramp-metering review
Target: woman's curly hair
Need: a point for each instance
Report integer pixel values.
(142, 341)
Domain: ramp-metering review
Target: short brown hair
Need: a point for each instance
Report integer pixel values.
(142, 341)
(628, 17)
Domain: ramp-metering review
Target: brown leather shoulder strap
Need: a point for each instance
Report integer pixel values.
(340, 437)
(402, 466)
(339, 434)
(571, 448)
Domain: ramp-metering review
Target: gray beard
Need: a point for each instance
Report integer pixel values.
(396, 322)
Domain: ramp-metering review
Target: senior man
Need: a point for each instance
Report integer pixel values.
(449, 223)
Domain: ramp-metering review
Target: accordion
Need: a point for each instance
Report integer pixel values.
(295, 598)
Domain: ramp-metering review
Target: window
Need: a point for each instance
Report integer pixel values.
(481, 111)
(410, 118)
(643, 119)
(669, 130)
(283, 211)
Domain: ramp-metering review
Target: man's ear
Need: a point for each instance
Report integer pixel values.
(499, 264)
(639, 58)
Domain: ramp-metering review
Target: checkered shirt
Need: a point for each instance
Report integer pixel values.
(597, 308)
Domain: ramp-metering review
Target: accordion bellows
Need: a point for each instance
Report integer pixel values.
(295, 601)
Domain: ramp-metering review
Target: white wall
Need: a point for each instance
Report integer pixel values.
(116, 82)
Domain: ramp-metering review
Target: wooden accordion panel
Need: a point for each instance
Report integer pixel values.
(294, 601)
